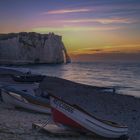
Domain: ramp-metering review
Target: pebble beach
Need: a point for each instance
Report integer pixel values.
(16, 124)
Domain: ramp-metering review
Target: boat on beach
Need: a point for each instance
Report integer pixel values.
(24, 99)
(28, 78)
(78, 119)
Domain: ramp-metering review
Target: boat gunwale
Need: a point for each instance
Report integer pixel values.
(25, 95)
(87, 113)
(118, 132)
(29, 103)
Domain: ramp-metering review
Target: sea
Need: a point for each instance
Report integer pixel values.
(124, 76)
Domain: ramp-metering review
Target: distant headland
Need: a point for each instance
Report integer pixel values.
(32, 48)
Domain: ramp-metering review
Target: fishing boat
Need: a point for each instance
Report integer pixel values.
(24, 99)
(75, 117)
(28, 78)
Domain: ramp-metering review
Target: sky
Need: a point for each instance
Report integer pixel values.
(91, 29)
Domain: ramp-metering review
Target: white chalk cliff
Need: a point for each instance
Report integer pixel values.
(26, 48)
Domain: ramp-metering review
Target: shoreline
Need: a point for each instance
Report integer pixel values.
(123, 109)
(17, 124)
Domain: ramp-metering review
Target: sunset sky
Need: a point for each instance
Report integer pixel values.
(91, 29)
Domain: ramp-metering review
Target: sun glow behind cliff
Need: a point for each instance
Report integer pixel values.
(88, 27)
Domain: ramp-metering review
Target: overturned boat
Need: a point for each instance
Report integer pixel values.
(75, 117)
(24, 99)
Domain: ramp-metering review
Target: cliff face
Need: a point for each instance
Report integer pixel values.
(24, 48)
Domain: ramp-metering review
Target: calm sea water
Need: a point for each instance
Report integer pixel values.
(124, 76)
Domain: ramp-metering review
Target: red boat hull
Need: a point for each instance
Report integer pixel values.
(61, 118)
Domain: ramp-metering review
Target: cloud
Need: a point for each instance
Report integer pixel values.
(88, 51)
(111, 8)
(114, 49)
(96, 50)
(107, 57)
(101, 20)
(65, 11)
(74, 29)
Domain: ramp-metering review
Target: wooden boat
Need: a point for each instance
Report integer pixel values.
(77, 118)
(28, 78)
(25, 100)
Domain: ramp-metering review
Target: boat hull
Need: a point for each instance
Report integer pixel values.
(19, 101)
(69, 115)
(28, 78)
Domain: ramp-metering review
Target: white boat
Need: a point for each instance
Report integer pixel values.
(73, 116)
(13, 98)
